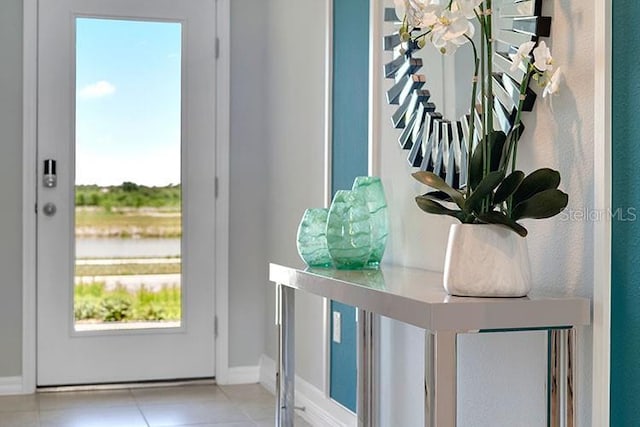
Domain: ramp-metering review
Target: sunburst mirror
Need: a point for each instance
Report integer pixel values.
(434, 141)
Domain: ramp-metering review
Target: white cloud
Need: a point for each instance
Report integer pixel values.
(97, 90)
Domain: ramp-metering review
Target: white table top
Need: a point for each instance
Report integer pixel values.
(417, 297)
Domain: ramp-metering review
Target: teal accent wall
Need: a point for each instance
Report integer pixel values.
(350, 91)
(625, 264)
(349, 159)
(344, 378)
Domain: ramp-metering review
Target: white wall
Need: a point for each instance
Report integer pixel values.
(501, 378)
(294, 108)
(248, 195)
(10, 188)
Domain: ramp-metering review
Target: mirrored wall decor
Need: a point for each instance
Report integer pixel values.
(438, 143)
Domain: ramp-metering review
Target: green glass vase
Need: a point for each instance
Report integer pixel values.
(349, 230)
(371, 189)
(312, 240)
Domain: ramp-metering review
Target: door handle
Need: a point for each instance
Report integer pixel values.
(49, 209)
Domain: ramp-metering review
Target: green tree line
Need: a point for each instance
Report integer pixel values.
(128, 195)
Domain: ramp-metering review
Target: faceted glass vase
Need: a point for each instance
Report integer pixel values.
(312, 240)
(371, 189)
(349, 230)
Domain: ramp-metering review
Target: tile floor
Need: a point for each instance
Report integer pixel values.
(191, 405)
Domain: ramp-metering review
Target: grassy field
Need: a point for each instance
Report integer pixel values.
(127, 211)
(93, 302)
(125, 269)
(128, 195)
(128, 222)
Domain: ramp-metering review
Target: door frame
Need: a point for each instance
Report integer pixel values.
(602, 170)
(29, 185)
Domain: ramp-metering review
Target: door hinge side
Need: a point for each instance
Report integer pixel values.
(215, 326)
(35, 208)
(217, 47)
(217, 188)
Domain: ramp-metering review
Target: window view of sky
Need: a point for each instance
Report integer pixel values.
(128, 90)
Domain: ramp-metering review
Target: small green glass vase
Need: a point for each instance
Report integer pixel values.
(349, 230)
(371, 189)
(312, 240)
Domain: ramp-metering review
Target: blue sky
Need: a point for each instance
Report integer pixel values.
(127, 102)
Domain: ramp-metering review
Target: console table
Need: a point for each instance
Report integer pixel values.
(417, 297)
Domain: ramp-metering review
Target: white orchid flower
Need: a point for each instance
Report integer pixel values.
(467, 7)
(401, 7)
(447, 47)
(542, 58)
(553, 84)
(413, 11)
(430, 15)
(523, 53)
(451, 31)
(419, 4)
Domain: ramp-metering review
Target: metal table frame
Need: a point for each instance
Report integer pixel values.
(564, 313)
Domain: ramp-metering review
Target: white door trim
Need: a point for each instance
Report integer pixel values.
(602, 229)
(328, 168)
(223, 135)
(30, 61)
(328, 107)
(29, 136)
(376, 12)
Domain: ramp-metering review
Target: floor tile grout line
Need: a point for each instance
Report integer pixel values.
(89, 407)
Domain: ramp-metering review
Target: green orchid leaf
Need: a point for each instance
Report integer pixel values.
(439, 195)
(484, 188)
(433, 207)
(514, 136)
(544, 204)
(434, 181)
(501, 219)
(497, 141)
(475, 172)
(508, 187)
(537, 181)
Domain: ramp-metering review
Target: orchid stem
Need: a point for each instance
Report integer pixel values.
(486, 154)
(514, 136)
(488, 31)
(472, 119)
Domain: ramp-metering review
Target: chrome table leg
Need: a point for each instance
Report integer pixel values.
(285, 375)
(366, 369)
(562, 398)
(440, 379)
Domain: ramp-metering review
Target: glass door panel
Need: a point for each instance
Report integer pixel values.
(128, 192)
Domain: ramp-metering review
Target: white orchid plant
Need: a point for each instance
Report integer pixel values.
(496, 192)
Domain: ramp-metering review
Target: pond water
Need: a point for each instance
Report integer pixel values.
(126, 248)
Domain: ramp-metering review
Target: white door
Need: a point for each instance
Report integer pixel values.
(126, 125)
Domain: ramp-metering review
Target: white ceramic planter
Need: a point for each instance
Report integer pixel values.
(486, 260)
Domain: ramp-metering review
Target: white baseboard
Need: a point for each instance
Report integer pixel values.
(11, 385)
(242, 375)
(320, 410)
